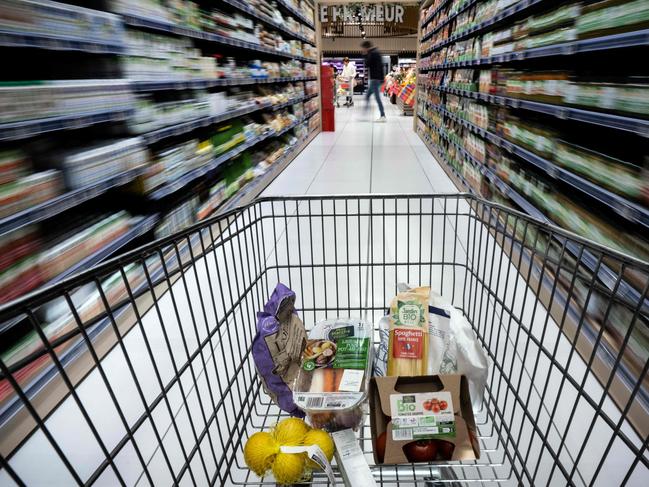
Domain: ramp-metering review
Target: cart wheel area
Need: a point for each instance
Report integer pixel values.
(156, 384)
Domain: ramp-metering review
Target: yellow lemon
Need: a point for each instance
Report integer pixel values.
(259, 452)
(290, 432)
(323, 440)
(288, 468)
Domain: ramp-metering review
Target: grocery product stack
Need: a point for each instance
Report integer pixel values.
(422, 383)
(516, 120)
(123, 125)
(400, 86)
(543, 108)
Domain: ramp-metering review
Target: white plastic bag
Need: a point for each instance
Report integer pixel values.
(453, 347)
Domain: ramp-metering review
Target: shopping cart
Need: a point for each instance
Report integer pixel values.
(344, 88)
(152, 381)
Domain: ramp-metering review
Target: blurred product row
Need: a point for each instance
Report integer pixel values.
(608, 93)
(568, 22)
(42, 99)
(455, 141)
(626, 178)
(47, 18)
(25, 183)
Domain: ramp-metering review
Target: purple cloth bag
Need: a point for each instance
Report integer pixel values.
(277, 347)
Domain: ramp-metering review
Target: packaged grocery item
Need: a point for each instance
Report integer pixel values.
(422, 419)
(331, 386)
(612, 17)
(408, 341)
(277, 347)
(619, 176)
(351, 460)
(290, 450)
(453, 347)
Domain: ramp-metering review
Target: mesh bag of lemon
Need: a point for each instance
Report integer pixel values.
(289, 451)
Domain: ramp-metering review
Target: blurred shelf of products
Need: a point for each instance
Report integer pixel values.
(544, 107)
(124, 125)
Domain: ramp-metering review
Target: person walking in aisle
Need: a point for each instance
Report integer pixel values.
(374, 64)
(349, 75)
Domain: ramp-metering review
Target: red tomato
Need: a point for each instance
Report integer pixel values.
(443, 405)
(435, 401)
(428, 405)
(445, 450)
(435, 408)
(421, 451)
(380, 446)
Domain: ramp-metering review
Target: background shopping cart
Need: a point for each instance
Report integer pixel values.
(156, 384)
(344, 88)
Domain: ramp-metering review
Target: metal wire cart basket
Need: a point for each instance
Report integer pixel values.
(139, 372)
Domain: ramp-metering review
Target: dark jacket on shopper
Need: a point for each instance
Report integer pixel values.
(374, 64)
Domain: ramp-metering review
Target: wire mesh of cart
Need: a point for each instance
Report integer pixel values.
(140, 372)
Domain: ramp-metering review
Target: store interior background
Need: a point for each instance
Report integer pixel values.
(200, 119)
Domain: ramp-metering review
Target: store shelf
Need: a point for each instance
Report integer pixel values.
(79, 348)
(203, 171)
(200, 172)
(137, 229)
(295, 13)
(483, 26)
(253, 12)
(255, 187)
(30, 128)
(606, 275)
(65, 201)
(146, 86)
(174, 130)
(612, 283)
(631, 211)
(139, 226)
(635, 125)
(444, 22)
(169, 28)
(57, 42)
(433, 13)
(616, 41)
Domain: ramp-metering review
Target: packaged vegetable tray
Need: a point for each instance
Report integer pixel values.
(332, 384)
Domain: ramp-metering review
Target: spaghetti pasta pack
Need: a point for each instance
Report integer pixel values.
(408, 340)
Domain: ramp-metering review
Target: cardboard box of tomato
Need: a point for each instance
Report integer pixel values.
(422, 419)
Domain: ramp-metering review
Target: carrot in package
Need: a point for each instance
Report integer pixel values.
(331, 386)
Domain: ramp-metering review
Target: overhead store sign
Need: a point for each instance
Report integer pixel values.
(374, 12)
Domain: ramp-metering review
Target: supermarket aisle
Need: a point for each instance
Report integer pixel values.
(189, 357)
(364, 157)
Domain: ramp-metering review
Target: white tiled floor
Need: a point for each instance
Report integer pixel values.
(364, 157)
